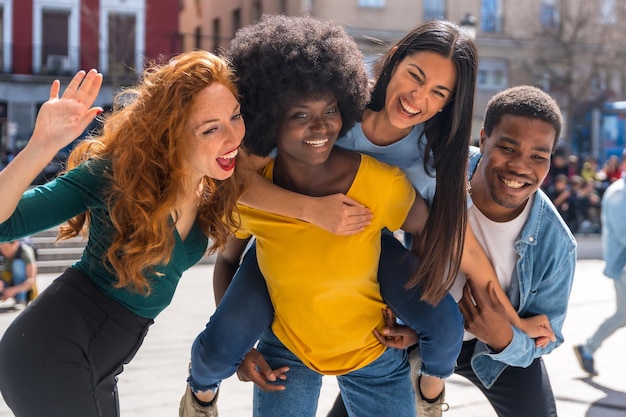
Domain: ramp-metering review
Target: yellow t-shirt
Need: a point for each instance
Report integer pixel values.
(324, 287)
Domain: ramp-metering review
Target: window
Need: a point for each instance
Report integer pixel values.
(122, 40)
(198, 37)
(372, 3)
(434, 9)
(236, 20)
(492, 75)
(55, 48)
(257, 11)
(122, 44)
(217, 27)
(56, 36)
(491, 16)
(549, 14)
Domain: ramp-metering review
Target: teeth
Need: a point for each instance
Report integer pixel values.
(513, 184)
(408, 108)
(316, 143)
(230, 155)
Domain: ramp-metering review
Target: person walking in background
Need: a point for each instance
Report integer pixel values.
(18, 279)
(155, 185)
(613, 215)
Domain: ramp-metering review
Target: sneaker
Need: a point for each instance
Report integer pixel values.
(585, 360)
(189, 406)
(425, 408)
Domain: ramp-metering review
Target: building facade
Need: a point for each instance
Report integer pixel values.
(43, 40)
(573, 49)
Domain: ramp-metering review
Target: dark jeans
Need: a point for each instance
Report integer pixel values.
(218, 350)
(61, 355)
(518, 392)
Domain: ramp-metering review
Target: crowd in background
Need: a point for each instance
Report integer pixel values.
(576, 187)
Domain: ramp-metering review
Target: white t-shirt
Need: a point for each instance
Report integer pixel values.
(498, 241)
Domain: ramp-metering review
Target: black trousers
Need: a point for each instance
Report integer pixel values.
(61, 356)
(518, 392)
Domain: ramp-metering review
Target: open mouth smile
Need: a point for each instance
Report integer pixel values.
(408, 109)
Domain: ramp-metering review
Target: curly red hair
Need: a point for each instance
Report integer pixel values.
(143, 139)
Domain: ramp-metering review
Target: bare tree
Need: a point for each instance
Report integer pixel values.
(579, 55)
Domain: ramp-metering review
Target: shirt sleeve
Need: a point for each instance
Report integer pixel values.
(55, 202)
(399, 198)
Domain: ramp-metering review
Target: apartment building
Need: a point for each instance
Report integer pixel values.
(573, 49)
(41, 40)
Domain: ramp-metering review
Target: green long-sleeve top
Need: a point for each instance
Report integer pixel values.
(80, 190)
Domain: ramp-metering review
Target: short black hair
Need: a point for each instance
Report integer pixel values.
(526, 101)
(280, 59)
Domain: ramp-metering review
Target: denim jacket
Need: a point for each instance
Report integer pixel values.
(545, 271)
(614, 229)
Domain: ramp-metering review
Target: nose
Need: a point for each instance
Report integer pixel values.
(236, 133)
(518, 164)
(319, 125)
(419, 95)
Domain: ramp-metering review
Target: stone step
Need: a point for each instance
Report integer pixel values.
(56, 256)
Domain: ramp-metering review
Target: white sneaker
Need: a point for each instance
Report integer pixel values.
(189, 407)
(424, 408)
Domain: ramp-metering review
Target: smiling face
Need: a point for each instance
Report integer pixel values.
(310, 129)
(420, 86)
(215, 131)
(516, 159)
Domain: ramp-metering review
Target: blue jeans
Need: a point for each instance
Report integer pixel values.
(616, 321)
(382, 388)
(18, 277)
(218, 350)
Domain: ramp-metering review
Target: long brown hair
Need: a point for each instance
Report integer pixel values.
(143, 140)
(440, 245)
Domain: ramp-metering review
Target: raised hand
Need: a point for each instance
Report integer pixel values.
(61, 120)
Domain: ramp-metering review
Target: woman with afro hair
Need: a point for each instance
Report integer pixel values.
(303, 84)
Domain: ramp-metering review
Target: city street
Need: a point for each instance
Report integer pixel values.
(154, 382)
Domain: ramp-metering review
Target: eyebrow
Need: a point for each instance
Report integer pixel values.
(204, 122)
(423, 74)
(303, 106)
(516, 143)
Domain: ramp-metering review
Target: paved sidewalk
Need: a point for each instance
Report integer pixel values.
(154, 381)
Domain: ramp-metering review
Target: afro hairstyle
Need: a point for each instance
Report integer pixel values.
(281, 59)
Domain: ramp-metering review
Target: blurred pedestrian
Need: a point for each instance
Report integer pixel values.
(614, 252)
(19, 273)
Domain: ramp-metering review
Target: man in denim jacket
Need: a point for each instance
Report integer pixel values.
(530, 246)
(614, 250)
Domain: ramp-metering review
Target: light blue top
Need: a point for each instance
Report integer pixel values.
(545, 272)
(614, 229)
(407, 154)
